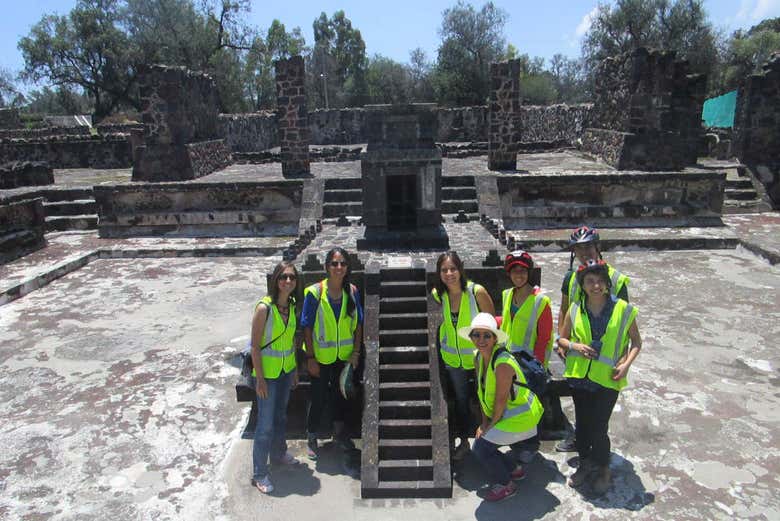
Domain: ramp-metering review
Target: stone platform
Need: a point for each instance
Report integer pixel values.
(145, 423)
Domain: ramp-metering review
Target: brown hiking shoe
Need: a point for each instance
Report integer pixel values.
(602, 481)
(581, 474)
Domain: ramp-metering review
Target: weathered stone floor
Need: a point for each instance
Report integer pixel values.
(116, 399)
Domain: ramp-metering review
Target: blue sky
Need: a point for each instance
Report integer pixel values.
(538, 28)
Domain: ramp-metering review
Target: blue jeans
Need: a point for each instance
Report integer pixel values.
(499, 466)
(459, 378)
(271, 424)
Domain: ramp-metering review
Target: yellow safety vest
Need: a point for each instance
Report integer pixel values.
(618, 281)
(457, 351)
(523, 408)
(522, 327)
(613, 345)
(333, 339)
(280, 354)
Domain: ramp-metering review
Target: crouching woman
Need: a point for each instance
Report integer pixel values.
(595, 338)
(510, 411)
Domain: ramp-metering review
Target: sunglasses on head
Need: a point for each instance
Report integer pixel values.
(287, 276)
(486, 335)
(336, 264)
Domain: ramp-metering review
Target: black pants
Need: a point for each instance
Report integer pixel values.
(324, 393)
(593, 410)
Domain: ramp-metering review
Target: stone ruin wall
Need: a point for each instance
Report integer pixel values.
(180, 115)
(558, 125)
(652, 96)
(757, 126)
(9, 118)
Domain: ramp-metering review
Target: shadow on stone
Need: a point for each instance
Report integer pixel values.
(626, 492)
(532, 501)
(298, 480)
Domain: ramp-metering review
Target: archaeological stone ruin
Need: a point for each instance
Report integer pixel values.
(396, 185)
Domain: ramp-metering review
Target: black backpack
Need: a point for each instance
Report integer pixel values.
(534, 372)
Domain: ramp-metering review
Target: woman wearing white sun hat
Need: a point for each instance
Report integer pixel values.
(510, 411)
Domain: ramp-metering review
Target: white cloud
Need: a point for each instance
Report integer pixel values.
(586, 22)
(753, 11)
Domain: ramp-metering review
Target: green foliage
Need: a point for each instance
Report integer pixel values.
(680, 25)
(58, 101)
(338, 63)
(471, 40)
(747, 52)
(388, 81)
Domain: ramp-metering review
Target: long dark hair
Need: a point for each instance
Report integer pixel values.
(346, 285)
(452, 255)
(273, 290)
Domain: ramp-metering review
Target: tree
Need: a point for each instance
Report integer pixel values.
(471, 40)
(339, 61)
(680, 25)
(388, 81)
(567, 76)
(420, 76)
(9, 94)
(746, 52)
(85, 48)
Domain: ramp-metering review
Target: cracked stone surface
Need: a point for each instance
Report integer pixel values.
(117, 401)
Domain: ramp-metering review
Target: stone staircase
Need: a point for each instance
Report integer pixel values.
(459, 193)
(342, 196)
(70, 209)
(740, 194)
(411, 453)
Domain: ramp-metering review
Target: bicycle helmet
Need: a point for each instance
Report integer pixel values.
(583, 235)
(593, 266)
(518, 258)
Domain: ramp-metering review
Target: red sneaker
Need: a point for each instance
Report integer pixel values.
(501, 492)
(518, 474)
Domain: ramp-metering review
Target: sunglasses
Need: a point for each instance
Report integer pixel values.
(287, 276)
(481, 336)
(336, 264)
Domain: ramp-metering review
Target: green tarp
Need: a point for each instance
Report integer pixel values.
(719, 112)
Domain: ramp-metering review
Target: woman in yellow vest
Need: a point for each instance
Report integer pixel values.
(527, 318)
(510, 411)
(461, 300)
(595, 338)
(584, 246)
(332, 323)
(273, 358)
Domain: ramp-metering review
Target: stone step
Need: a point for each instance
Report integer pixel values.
(740, 194)
(458, 192)
(448, 181)
(738, 183)
(71, 222)
(403, 320)
(330, 210)
(734, 206)
(403, 337)
(406, 470)
(408, 489)
(405, 410)
(352, 195)
(404, 373)
(405, 449)
(400, 391)
(403, 305)
(403, 355)
(402, 288)
(402, 274)
(77, 207)
(468, 206)
(67, 194)
(405, 429)
(343, 183)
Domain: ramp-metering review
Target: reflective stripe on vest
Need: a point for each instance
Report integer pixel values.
(525, 402)
(600, 369)
(457, 351)
(279, 355)
(332, 345)
(529, 336)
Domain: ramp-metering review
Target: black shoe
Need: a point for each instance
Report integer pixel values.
(567, 445)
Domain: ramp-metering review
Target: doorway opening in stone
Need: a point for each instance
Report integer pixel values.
(402, 205)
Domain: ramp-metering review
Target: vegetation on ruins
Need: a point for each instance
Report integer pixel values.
(90, 58)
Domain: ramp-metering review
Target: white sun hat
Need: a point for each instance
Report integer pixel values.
(484, 321)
